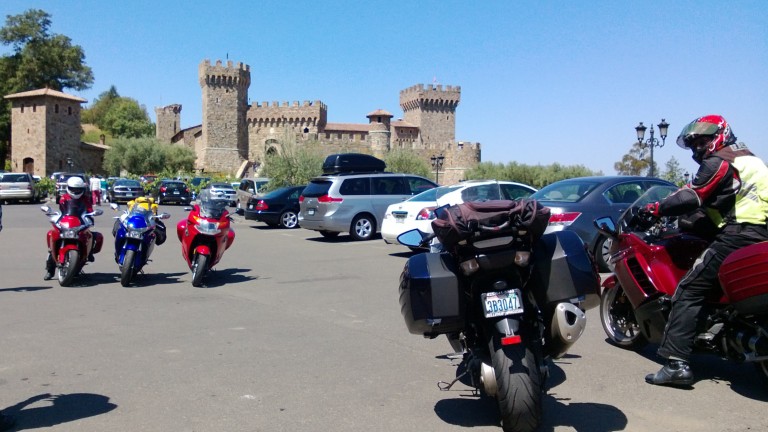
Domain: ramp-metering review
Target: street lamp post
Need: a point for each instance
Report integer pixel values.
(69, 163)
(652, 142)
(437, 165)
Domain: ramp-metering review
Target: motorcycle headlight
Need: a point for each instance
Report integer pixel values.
(210, 228)
(134, 234)
(69, 233)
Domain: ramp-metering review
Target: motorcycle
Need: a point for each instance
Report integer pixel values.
(508, 304)
(205, 234)
(70, 241)
(134, 240)
(650, 255)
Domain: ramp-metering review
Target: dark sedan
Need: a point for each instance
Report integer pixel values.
(172, 191)
(279, 208)
(576, 202)
(124, 190)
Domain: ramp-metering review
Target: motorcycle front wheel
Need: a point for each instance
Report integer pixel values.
(519, 385)
(68, 269)
(198, 269)
(127, 270)
(618, 319)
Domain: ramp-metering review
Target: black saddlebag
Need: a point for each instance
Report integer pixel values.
(564, 270)
(430, 295)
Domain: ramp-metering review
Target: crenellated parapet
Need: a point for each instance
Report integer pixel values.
(169, 109)
(232, 75)
(430, 97)
(306, 114)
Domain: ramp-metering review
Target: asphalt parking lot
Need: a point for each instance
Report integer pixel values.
(292, 333)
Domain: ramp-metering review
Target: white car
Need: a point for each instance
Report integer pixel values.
(418, 212)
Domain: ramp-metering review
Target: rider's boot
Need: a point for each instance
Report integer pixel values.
(675, 373)
(50, 267)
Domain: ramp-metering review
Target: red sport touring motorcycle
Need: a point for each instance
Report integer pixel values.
(508, 298)
(71, 241)
(205, 234)
(650, 255)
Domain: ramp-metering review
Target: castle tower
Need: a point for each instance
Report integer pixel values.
(380, 134)
(168, 122)
(225, 105)
(433, 110)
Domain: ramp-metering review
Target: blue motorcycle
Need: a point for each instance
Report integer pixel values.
(136, 233)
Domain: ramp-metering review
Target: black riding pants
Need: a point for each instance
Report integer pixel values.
(699, 283)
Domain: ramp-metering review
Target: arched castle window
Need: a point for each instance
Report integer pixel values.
(56, 108)
(306, 130)
(22, 107)
(34, 107)
(69, 110)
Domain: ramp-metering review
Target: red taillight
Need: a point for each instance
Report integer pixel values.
(511, 340)
(427, 213)
(301, 198)
(563, 219)
(261, 205)
(328, 199)
(186, 190)
(162, 189)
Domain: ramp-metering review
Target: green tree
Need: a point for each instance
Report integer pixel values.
(126, 118)
(146, 155)
(294, 164)
(38, 59)
(536, 176)
(673, 172)
(401, 160)
(101, 105)
(636, 162)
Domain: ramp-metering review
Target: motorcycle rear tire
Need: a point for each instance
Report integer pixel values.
(68, 269)
(198, 269)
(127, 271)
(519, 384)
(618, 320)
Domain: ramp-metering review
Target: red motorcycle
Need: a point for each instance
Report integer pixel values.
(70, 241)
(650, 255)
(205, 234)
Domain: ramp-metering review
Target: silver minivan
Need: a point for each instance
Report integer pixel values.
(355, 203)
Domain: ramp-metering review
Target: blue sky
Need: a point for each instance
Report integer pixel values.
(542, 81)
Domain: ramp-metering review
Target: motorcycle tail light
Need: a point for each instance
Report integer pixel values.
(511, 340)
(261, 205)
(563, 219)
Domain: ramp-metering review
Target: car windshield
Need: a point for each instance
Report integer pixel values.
(221, 186)
(128, 183)
(566, 190)
(433, 194)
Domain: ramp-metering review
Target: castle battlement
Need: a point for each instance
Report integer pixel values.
(430, 96)
(170, 109)
(294, 104)
(231, 75)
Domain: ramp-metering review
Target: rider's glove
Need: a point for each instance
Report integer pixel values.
(651, 209)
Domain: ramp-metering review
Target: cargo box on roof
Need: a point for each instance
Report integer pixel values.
(352, 162)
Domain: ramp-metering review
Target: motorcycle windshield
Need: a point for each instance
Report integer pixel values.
(73, 208)
(654, 194)
(140, 218)
(212, 204)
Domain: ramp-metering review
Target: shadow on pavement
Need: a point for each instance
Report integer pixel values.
(217, 278)
(57, 409)
(24, 289)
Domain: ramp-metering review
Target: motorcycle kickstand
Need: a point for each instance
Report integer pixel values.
(445, 386)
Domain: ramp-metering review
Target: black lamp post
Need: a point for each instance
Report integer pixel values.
(652, 142)
(437, 165)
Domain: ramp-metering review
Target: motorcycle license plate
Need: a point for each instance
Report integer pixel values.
(502, 303)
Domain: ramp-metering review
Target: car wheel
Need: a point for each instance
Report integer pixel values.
(603, 254)
(329, 234)
(363, 227)
(289, 219)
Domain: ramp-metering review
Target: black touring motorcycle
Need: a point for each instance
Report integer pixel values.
(507, 296)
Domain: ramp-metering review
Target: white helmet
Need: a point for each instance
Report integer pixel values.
(75, 187)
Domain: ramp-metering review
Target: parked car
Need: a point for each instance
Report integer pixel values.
(355, 202)
(148, 178)
(249, 186)
(197, 181)
(17, 187)
(577, 202)
(124, 190)
(223, 188)
(61, 183)
(418, 212)
(172, 191)
(279, 208)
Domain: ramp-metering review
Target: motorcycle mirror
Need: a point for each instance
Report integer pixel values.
(114, 206)
(164, 216)
(411, 238)
(606, 225)
(45, 208)
(187, 208)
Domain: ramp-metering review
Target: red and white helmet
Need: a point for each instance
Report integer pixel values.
(75, 187)
(706, 135)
